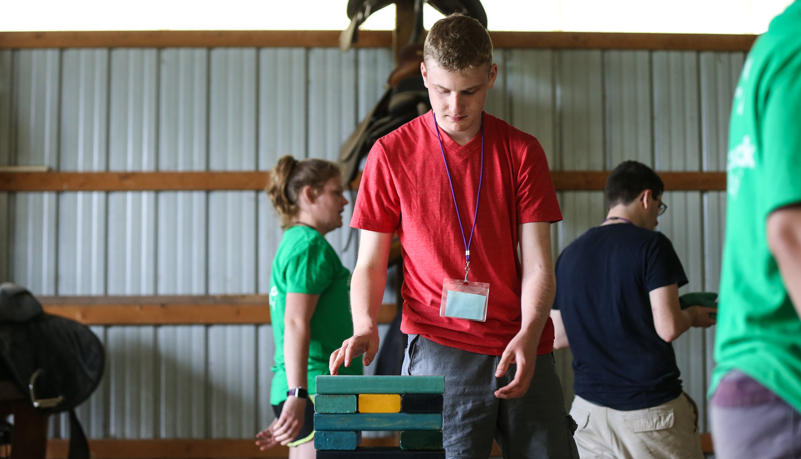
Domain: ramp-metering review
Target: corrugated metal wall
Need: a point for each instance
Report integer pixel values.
(241, 109)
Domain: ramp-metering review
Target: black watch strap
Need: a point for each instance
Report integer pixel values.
(298, 392)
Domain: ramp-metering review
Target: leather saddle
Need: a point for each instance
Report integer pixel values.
(55, 362)
(360, 10)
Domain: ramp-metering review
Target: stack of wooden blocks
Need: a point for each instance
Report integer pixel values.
(346, 405)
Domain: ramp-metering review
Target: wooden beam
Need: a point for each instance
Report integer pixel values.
(170, 310)
(367, 39)
(674, 181)
(190, 39)
(404, 21)
(256, 181)
(627, 41)
(216, 449)
(133, 181)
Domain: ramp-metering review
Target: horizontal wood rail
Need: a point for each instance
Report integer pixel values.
(215, 449)
(171, 310)
(247, 180)
(367, 39)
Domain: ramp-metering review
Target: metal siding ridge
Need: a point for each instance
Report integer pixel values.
(35, 242)
(582, 113)
(676, 103)
(531, 84)
(628, 115)
(36, 108)
(133, 115)
(84, 110)
(499, 97)
(6, 96)
(183, 110)
(282, 105)
(181, 245)
(373, 69)
(719, 74)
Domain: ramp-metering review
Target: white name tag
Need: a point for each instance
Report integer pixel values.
(462, 300)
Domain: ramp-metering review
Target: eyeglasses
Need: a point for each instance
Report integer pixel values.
(662, 207)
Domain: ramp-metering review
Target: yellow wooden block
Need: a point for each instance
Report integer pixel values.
(379, 403)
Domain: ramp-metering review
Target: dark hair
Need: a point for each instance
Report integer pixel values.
(458, 42)
(628, 180)
(290, 176)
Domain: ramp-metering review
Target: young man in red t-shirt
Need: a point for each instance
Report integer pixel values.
(463, 190)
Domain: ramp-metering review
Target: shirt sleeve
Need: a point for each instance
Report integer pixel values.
(308, 271)
(662, 265)
(781, 140)
(378, 203)
(536, 196)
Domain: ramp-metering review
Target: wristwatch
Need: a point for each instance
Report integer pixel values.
(299, 393)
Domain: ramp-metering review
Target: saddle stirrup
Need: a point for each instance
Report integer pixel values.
(45, 402)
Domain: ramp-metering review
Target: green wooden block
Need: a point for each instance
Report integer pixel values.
(377, 421)
(342, 404)
(421, 439)
(381, 453)
(380, 384)
(337, 440)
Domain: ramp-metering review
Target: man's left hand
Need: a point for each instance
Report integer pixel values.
(522, 351)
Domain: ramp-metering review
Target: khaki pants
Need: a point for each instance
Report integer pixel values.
(668, 431)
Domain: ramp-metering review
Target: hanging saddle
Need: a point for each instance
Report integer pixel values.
(360, 10)
(55, 362)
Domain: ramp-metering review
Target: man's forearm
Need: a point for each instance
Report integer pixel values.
(538, 291)
(367, 291)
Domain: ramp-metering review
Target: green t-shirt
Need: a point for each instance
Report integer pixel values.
(758, 330)
(306, 263)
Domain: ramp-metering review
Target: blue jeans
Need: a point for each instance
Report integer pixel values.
(533, 426)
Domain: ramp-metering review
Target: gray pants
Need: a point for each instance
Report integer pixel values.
(533, 426)
(749, 421)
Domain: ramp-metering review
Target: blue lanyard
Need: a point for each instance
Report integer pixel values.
(478, 194)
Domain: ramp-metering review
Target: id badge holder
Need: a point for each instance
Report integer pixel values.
(464, 300)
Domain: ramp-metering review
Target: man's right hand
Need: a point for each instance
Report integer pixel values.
(700, 316)
(353, 347)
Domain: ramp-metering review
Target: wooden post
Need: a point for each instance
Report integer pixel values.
(404, 22)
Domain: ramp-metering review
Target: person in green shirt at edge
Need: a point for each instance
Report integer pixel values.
(309, 297)
(756, 386)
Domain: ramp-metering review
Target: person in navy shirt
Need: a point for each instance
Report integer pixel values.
(617, 308)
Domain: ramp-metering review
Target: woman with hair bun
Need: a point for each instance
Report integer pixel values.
(309, 297)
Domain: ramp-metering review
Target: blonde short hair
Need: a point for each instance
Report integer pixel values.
(457, 43)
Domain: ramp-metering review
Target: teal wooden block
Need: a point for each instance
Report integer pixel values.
(380, 384)
(377, 421)
(341, 404)
(421, 439)
(337, 440)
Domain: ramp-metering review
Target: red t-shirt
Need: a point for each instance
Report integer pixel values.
(405, 188)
